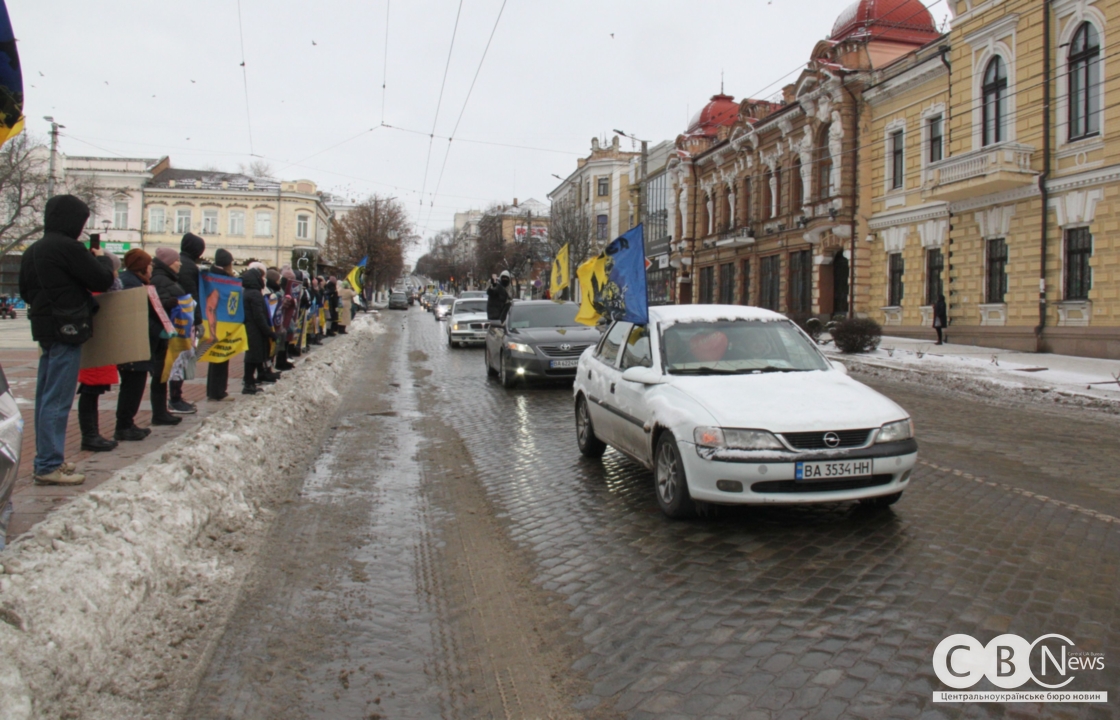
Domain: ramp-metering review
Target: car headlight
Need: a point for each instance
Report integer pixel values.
(893, 432)
(735, 439)
(520, 347)
(455, 326)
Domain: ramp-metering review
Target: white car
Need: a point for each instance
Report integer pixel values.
(736, 405)
(467, 323)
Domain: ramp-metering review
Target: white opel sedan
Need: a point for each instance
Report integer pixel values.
(736, 405)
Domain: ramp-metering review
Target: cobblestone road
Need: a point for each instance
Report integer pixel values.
(1008, 526)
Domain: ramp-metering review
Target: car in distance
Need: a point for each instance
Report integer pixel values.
(736, 405)
(538, 340)
(469, 294)
(442, 307)
(467, 323)
(425, 300)
(398, 301)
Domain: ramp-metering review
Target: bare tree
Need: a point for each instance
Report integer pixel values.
(377, 229)
(257, 168)
(23, 190)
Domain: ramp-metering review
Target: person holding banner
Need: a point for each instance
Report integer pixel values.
(217, 372)
(93, 383)
(165, 280)
(134, 376)
(190, 254)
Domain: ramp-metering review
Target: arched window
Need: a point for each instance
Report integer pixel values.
(824, 163)
(797, 190)
(995, 102)
(768, 195)
(1084, 83)
(777, 191)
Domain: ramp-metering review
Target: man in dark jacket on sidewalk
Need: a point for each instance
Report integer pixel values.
(57, 275)
(258, 330)
(190, 253)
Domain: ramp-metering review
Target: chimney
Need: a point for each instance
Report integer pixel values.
(515, 202)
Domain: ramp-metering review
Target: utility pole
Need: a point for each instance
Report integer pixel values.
(54, 149)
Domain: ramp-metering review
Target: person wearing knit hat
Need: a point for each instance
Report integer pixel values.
(134, 375)
(259, 266)
(165, 279)
(217, 373)
(137, 261)
(168, 257)
(191, 248)
(223, 259)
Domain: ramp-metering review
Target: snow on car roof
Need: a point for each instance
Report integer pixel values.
(672, 314)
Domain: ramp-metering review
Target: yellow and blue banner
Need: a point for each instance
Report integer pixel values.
(223, 317)
(11, 80)
(613, 284)
(355, 276)
(182, 340)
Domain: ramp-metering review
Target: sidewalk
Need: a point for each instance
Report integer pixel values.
(19, 356)
(1089, 379)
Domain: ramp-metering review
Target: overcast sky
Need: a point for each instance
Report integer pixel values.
(146, 78)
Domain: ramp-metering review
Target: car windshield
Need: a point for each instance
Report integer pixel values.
(543, 315)
(470, 306)
(447, 301)
(397, 296)
(738, 347)
(473, 294)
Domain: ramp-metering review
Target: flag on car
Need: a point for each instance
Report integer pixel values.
(561, 273)
(613, 285)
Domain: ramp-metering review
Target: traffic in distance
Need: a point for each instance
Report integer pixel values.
(724, 404)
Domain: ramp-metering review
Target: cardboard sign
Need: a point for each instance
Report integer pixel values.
(120, 330)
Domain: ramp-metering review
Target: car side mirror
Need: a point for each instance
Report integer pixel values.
(839, 367)
(643, 376)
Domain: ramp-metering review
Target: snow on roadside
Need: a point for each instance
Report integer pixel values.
(114, 598)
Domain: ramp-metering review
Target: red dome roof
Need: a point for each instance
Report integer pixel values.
(899, 20)
(722, 111)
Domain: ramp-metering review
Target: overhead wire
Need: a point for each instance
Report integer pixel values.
(385, 63)
(245, 78)
(439, 102)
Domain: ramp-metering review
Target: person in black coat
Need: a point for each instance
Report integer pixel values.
(257, 329)
(165, 279)
(57, 275)
(217, 373)
(190, 253)
(940, 318)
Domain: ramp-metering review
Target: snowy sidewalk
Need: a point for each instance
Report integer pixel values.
(1084, 380)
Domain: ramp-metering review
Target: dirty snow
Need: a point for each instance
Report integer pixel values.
(109, 606)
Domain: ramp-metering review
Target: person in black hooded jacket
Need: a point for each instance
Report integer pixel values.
(190, 253)
(58, 274)
(165, 279)
(257, 329)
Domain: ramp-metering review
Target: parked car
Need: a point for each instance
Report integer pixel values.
(442, 307)
(736, 405)
(539, 339)
(11, 441)
(398, 301)
(469, 294)
(468, 323)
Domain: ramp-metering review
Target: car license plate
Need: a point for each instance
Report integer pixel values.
(556, 364)
(833, 470)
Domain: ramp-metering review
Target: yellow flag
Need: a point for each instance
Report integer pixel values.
(355, 278)
(560, 273)
(7, 134)
(592, 277)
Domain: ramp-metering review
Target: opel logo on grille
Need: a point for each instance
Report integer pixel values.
(566, 347)
(831, 439)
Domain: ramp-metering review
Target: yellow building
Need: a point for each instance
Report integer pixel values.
(961, 155)
(253, 218)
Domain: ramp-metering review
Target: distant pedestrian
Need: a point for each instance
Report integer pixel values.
(346, 297)
(56, 276)
(940, 318)
(217, 373)
(134, 375)
(191, 248)
(165, 279)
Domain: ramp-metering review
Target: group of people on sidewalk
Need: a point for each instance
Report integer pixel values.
(59, 279)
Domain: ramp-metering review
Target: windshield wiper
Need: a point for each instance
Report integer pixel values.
(703, 371)
(773, 368)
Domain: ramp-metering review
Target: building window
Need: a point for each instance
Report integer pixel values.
(604, 186)
(768, 195)
(995, 102)
(302, 224)
(745, 275)
(935, 265)
(120, 216)
(601, 227)
(707, 284)
(1084, 83)
(183, 221)
(898, 157)
(777, 192)
(263, 227)
(770, 281)
(824, 164)
(209, 222)
(727, 283)
(936, 139)
(157, 220)
(800, 281)
(1079, 277)
(997, 270)
(895, 269)
(797, 194)
(236, 222)
(745, 211)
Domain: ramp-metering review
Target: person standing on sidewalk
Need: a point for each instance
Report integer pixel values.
(190, 253)
(56, 276)
(217, 374)
(134, 375)
(92, 384)
(346, 297)
(258, 330)
(165, 279)
(940, 318)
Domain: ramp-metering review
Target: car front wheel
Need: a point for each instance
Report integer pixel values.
(508, 378)
(589, 444)
(669, 478)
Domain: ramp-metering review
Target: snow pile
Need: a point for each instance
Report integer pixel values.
(115, 596)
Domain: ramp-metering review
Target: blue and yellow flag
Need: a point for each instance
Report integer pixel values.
(223, 317)
(613, 285)
(355, 276)
(182, 320)
(561, 273)
(11, 80)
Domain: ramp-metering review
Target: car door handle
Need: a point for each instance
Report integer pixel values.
(612, 388)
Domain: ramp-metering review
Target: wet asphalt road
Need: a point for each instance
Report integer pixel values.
(1009, 525)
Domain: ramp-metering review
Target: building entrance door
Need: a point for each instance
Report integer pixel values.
(839, 283)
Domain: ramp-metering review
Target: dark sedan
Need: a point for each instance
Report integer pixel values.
(540, 340)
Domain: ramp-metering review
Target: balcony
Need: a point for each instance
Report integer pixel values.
(993, 169)
(737, 237)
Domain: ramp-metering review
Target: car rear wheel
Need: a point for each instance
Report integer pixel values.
(589, 444)
(669, 478)
(508, 378)
(882, 501)
(490, 371)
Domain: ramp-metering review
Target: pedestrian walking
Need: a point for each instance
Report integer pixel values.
(165, 279)
(56, 278)
(217, 373)
(92, 384)
(134, 375)
(191, 248)
(940, 318)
